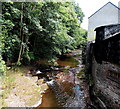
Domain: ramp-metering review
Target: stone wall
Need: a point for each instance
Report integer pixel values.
(106, 86)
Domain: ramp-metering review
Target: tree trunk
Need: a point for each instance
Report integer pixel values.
(21, 35)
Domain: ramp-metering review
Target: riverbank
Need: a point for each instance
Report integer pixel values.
(19, 90)
(63, 85)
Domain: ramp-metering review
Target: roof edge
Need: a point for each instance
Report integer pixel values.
(103, 7)
(116, 24)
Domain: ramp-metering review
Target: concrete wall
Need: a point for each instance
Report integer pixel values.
(119, 12)
(105, 16)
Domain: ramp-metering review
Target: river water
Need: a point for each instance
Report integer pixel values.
(67, 87)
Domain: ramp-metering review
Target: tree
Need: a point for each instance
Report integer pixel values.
(40, 30)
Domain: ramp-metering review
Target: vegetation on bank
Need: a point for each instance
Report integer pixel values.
(33, 31)
(39, 30)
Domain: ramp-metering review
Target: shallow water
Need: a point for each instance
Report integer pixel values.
(48, 99)
(67, 61)
(65, 91)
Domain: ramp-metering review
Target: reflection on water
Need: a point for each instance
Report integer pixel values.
(67, 61)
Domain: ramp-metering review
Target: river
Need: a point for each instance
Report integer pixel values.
(67, 84)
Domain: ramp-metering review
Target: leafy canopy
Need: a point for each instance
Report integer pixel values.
(40, 30)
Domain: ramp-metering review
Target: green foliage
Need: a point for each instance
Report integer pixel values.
(2, 66)
(79, 12)
(2, 63)
(40, 30)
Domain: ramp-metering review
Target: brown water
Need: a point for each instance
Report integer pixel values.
(49, 99)
(67, 61)
(66, 90)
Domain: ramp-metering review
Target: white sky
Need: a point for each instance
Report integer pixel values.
(91, 6)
